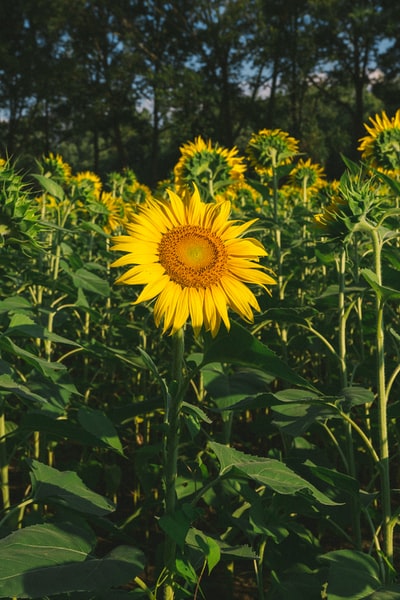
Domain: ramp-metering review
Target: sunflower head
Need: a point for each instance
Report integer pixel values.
(271, 148)
(88, 184)
(54, 166)
(355, 200)
(193, 261)
(307, 176)
(381, 148)
(209, 166)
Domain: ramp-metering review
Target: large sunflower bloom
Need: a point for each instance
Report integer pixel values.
(193, 260)
(381, 148)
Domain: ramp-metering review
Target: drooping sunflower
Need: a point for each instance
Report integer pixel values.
(194, 261)
(271, 148)
(209, 166)
(381, 148)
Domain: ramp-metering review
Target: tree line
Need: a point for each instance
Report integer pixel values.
(115, 83)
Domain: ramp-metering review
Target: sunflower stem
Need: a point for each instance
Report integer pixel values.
(387, 526)
(344, 383)
(171, 446)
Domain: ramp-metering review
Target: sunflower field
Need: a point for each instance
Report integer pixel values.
(200, 382)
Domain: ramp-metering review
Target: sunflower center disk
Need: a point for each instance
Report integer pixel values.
(193, 256)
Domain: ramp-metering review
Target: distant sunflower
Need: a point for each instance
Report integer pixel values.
(89, 183)
(381, 148)
(191, 258)
(209, 166)
(115, 212)
(307, 176)
(271, 148)
(54, 166)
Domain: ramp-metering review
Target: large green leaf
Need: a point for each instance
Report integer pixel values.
(100, 426)
(238, 346)
(50, 186)
(15, 303)
(267, 471)
(22, 325)
(90, 282)
(44, 366)
(45, 560)
(383, 292)
(8, 385)
(66, 487)
(352, 574)
(34, 548)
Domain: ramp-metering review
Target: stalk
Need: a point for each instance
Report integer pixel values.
(5, 487)
(387, 527)
(344, 383)
(171, 445)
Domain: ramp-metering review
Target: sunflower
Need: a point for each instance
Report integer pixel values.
(209, 166)
(54, 166)
(193, 260)
(307, 176)
(271, 148)
(88, 183)
(114, 209)
(381, 148)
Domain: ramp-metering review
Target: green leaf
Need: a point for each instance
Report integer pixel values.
(82, 278)
(44, 366)
(21, 324)
(352, 574)
(50, 186)
(177, 524)
(8, 385)
(65, 487)
(99, 425)
(240, 552)
(32, 549)
(45, 560)
(15, 303)
(390, 592)
(267, 471)
(195, 411)
(211, 550)
(381, 291)
(296, 418)
(357, 395)
(240, 347)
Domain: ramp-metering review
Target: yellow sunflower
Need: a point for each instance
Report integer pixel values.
(193, 260)
(307, 176)
(88, 183)
(209, 166)
(54, 166)
(271, 148)
(381, 148)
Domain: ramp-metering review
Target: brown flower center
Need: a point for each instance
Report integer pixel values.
(193, 256)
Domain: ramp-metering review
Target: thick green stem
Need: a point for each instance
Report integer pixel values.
(5, 488)
(171, 446)
(344, 383)
(387, 527)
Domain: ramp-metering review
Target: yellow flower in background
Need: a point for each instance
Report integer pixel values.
(54, 166)
(115, 212)
(209, 166)
(307, 176)
(89, 183)
(381, 148)
(194, 261)
(271, 148)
